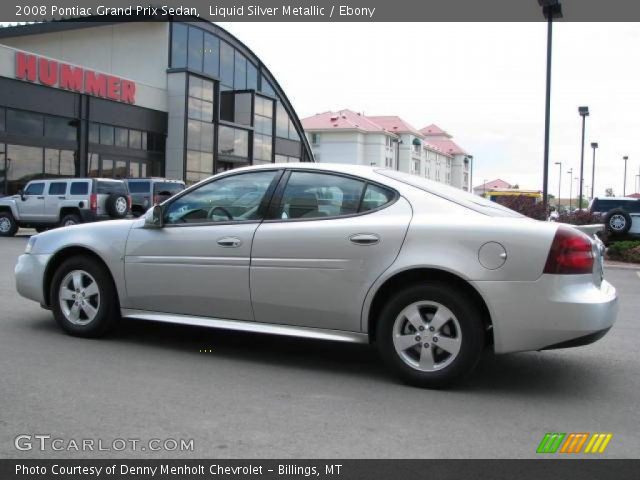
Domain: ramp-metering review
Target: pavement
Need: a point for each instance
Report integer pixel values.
(241, 395)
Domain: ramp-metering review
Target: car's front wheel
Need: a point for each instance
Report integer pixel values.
(8, 225)
(84, 298)
(430, 335)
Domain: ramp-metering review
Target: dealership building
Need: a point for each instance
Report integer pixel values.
(177, 99)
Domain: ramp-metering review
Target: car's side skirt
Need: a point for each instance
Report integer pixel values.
(248, 326)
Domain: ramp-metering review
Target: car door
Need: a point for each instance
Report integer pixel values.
(31, 206)
(198, 262)
(54, 199)
(328, 238)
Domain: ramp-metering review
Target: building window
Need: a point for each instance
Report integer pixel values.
(236, 107)
(25, 123)
(284, 126)
(286, 159)
(315, 138)
(233, 142)
(60, 163)
(240, 73)
(60, 128)
(226, 64)
(179, 34)
(211, 55)
(195, 52)
(266, 87)
(263, 129)
(135, 139)
(23, 164)
(200, 129)
(252, 76)
(106, 135)
(415, 166)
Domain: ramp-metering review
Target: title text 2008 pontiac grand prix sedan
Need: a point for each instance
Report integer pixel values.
(431, 274)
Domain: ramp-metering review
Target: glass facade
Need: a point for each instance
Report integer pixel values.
(245, 119)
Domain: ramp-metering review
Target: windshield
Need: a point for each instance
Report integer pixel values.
(456, 195)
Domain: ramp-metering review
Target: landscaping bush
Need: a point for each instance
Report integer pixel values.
(579, 217)
(625, 251)
(525, 206)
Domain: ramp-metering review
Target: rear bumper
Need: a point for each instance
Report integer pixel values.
(88, 216)
(29, 273)
(556, 311)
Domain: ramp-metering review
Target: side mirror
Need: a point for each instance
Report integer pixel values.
(21, 193)
(154, 218)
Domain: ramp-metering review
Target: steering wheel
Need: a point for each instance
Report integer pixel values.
(222, 209)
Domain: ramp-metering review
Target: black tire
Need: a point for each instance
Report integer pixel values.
(617, 221)
(108, 310)
(471, 341)
(69, 220)
(115, 207)
(41, 229)
(8, 225)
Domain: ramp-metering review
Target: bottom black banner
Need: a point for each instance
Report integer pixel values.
(543, 469)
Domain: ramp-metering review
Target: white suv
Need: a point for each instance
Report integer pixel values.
(50, 203)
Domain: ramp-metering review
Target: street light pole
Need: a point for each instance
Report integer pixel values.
(594, 145)
(584, 113)
(624, 183)
(559, 182)
(551, 9)
(570, 172)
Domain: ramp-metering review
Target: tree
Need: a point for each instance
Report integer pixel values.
(515, 187)
(609, 192)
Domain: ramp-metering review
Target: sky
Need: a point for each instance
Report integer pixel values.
(484, 83)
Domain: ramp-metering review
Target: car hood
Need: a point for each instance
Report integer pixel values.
(101, 237)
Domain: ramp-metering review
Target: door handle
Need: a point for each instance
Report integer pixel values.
(40, 198)
(62, 198)
(229, 242)
(364, 239)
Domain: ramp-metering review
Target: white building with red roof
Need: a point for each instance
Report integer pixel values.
(387, 141)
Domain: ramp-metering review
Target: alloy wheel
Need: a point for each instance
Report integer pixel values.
(5, 225)
(427, 336)
(79, 297)
(121, 205)
(617, 222)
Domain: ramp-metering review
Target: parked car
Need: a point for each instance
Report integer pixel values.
(146, 192)
(621, 215)
(333, 252)
(49, 203)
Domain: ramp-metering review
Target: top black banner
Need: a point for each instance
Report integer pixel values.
(324, 11)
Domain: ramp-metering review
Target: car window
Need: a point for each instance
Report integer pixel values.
(375, 197)
(34, 189)
(232, 198)
(316, 195)
(139, 187)
(112, 186)
(167, 188)
(79, 188)
(57, 188)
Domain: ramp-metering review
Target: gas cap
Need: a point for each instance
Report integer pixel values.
(492, 255)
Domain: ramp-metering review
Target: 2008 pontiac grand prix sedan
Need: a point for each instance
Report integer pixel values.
(431, 274)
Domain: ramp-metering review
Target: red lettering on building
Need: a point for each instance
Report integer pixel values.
(71, 78)
(47, 72)
(25, 66)
(77, 79)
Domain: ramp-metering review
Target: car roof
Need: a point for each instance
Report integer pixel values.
(626, 199)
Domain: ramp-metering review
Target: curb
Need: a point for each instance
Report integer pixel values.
(622, 266)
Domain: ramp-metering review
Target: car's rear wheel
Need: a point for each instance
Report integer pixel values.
(8, 225)
(84, 298)
(69, 220)
(430, 335)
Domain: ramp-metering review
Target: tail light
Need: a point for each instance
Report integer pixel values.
(571, 253)
(93, 202)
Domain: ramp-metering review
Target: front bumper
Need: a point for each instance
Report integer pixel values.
(555, 311)
(29, 273)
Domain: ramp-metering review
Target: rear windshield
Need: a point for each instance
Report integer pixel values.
(604, 205)
(139, 187)
(112, 186)
(465, 199)
(167, 188)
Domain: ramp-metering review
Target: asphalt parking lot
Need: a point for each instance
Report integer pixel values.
(258, 396)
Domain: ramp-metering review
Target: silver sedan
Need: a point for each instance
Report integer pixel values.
(431, 274)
